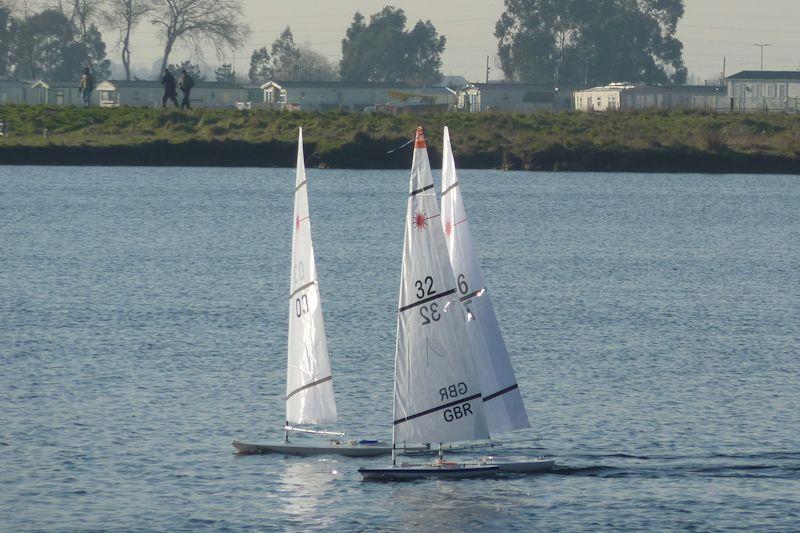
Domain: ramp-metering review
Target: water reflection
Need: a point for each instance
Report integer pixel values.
(451, 505)
(305, 485)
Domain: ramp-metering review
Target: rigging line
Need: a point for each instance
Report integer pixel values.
(308, 386)
(400, 147)
(434, 409)
(426, 300)
(300, 185)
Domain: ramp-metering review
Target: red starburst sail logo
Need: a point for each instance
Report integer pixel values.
(448, 228)
(420, 220)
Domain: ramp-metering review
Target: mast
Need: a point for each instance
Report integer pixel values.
(437, 394)
(309, 388)
(505, 410)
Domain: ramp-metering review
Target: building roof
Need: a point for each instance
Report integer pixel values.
(150, 84)
(55, 84)
(766, 75)
(336, 84)
(14, 83)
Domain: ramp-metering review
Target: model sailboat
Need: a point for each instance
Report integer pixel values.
(502, 400)
(437, 394)
(309, 385)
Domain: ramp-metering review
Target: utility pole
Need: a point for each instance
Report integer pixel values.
(487, 69)
(762, 53)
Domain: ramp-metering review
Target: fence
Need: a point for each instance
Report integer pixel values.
(742, 104)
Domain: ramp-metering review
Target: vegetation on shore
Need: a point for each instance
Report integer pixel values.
(622, 141)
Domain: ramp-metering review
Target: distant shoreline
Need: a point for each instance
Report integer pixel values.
(616, 142)
(235, 154)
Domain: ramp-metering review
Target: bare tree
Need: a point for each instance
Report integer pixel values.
(125, 15)
(84, 12)
(194, 22)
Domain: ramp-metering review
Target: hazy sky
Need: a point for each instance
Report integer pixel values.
(710, 30)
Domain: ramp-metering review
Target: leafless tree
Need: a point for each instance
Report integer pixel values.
(194, 22)
(83, 13)
(125, 15)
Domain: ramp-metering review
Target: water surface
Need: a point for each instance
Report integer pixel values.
(652, 320)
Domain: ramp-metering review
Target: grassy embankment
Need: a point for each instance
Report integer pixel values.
(628, 141)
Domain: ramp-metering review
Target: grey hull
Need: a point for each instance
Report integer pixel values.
(406, 473)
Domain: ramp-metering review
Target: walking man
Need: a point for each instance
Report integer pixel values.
(186, 82)
(86, 87)
(168, 81)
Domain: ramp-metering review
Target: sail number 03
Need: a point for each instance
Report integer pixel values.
(430, 312)
(301, 305)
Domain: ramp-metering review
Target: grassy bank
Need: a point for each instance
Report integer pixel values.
(629, 141)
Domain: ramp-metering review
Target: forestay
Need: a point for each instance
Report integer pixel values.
(502, 400)
(309, 389)
(437, 394)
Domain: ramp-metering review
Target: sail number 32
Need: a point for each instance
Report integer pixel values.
(430, 312)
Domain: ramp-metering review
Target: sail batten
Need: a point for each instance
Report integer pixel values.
(437, 394)
(309, 386)
(505, 410)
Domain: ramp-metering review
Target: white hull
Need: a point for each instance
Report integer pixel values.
(409, 473)
(521, 466)
(322, 448)
(348, 449)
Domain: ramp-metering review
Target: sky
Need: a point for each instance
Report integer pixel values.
(710, 31)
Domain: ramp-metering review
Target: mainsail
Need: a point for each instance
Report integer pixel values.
(502, 400)
(437, 395)
(309, 389)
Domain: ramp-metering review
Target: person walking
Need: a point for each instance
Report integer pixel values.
(168, 81)
(86, 86)
(186, 82)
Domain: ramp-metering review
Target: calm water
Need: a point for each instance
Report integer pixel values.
(654, 322)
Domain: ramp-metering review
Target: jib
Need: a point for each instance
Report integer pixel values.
(457, 412)
(453, 391)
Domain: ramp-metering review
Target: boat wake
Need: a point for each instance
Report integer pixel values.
(776, 465)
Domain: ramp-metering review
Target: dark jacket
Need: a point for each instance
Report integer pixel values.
(186, 82)
(168, 81)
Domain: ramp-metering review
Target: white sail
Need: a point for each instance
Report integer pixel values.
(502, 400)
(437, 396)
(309, 389)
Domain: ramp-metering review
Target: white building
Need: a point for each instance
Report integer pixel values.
(57, 93)
(625, 96)
(514, 97)
(762, 90)
(347, 96)
(619, 96)
(13, 92)
(141, 93)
